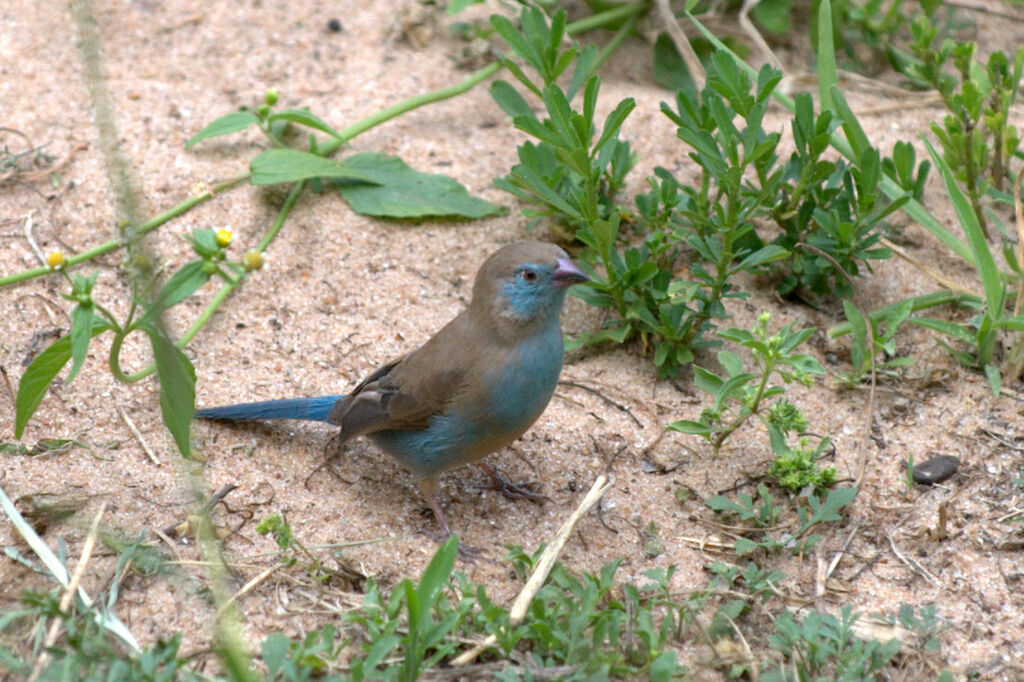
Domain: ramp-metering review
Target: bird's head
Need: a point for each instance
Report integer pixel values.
(523, 284)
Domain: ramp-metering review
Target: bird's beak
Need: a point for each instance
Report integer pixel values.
(568, 273)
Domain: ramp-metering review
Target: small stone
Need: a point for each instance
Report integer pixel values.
(334, 26)
(936, 470)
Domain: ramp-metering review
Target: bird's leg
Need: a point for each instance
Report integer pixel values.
(428, 488)
(509, 489)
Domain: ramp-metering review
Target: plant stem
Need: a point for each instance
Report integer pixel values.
(121, 242)
(631, 10)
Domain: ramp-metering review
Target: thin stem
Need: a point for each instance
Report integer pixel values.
(121, 242)
(631, 10)
(624, 31)
(396, 110)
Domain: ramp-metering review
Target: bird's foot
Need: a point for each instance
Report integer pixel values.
(512, 490)
(466, 552)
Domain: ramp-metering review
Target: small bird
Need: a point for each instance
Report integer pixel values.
(473, 388)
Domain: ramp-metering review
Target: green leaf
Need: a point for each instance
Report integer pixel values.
(80, 335)
(743, 546)
(180, 286)
(774, 15)
(40, 373)
(303, 117)
(851, 126)
(436, 574)
(828, 75)
(291, 165)
(402, 192)
(995, 380)
(615, 121)
(664, 667)
(225, 125)
(766, 254)
(859, 345)
(177, 388)
(510, 101)
(670, 70)
(936, 298)
(456, 6)
(986, 265)
(691, 427)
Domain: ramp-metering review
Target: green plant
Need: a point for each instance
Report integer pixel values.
(978, 140)
(832, 207)
(429, 620)
(866, 345)
(798, 468)
(277, 526)
(810, 512)
(597, 630)
(820, 646)
(981, 333)
(741, 395)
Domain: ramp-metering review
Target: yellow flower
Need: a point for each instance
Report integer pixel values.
(223, 238)
(55, 260)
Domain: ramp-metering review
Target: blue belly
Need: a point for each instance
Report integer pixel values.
(517, 395)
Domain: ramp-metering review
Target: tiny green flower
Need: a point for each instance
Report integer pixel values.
(270, 96)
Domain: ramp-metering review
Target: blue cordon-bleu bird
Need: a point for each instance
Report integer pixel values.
(473, 388)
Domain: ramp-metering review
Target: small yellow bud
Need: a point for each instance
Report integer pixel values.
(252, 260)
(55, 260)
(223, 238)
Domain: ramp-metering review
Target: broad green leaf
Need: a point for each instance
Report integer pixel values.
(303, 117)
(225, 125)
(401, 192)
(291, 165)
(80, 335)
(177, 388)
(40, 373)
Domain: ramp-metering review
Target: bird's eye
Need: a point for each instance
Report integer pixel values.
(528, 276)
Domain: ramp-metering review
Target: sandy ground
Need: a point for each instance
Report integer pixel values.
(342, 293)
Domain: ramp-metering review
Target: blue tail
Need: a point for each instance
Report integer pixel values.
(311, 409)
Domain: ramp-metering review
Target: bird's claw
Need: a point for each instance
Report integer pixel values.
(513, 490)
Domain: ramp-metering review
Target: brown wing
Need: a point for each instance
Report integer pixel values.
(404, 393)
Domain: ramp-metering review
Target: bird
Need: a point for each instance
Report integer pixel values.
(474, 387)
